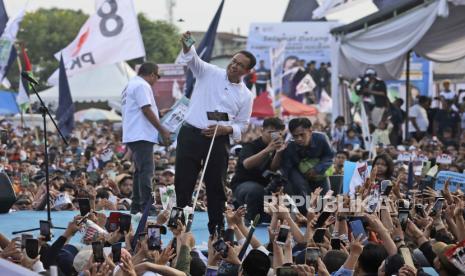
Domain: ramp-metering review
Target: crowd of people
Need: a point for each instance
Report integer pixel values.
(283, 175)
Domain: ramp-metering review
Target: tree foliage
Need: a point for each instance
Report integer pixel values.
(46, 31)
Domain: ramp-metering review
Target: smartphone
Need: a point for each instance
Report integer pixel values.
(189, 41)
(405, 252)
(286, 271)
(311, 256)
(84, 206)
(228, 235)
(386, 187)
(97, 250)
(153, 237)
(24, 180)
(24, 237)
(45, 229)
(113, 221)
(336, 243)
(218, 116)
(221, 247)
(124, 223)
(403, 216)
(116, 252)
(322, 219)
(275, 135)
(282, 234)
(32, 248)
(437, 206)
(357, 229)
(420, 210)
(319, 235)
(175, 215)
(3, 137)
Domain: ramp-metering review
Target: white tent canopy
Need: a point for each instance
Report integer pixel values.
(434, 29)
(104, 83)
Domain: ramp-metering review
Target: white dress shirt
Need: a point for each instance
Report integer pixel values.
(136, 127)
(214, 92)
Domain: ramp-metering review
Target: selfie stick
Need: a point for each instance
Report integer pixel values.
(190, 218)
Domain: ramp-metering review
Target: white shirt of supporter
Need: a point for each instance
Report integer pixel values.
(214, 92)
(421, 116)
(136, 127)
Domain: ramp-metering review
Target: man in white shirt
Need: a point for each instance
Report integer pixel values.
(141, 128)
(418, 118)
(216, 89)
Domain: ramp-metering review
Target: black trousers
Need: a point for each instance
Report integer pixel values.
(191, 153)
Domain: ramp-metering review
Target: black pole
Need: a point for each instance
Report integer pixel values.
(407, 92)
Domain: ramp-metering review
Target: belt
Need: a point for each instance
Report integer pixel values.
(192, 128)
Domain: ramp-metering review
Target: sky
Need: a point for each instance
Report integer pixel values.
(197, 14)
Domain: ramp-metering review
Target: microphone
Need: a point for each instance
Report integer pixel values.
(26, 76)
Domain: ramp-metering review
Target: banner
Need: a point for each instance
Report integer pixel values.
(109, 36)
(304, 40)
(277, 67)
(457, 180)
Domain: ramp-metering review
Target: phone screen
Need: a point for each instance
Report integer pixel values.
(153, 237)
(45, 228)
(282, 235)
(24, 180)
(322, 219)
(3, 137)
(403, 216)
(24, 237)
(405, 252)
(437, 205)
(97, 250)
(175, 215)
(319, 235)
(124, 223)
(113, 221)
(221, 247)
(84, 206)
(286, 271)
(358, 229)
(311, 256)
(336, 244)
(116, 252)
(32, 248)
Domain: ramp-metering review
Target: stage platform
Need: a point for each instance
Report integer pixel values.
(30, 219)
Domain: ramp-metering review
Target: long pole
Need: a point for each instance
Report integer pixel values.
(407, 92)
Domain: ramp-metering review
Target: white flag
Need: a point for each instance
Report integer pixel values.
(358, 177)
(7, 41)
(305, 85)
(326, 103)
(23, 98)
(109, 36)
(176, 91)
(365, 127)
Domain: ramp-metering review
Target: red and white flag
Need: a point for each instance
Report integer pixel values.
(110, 35)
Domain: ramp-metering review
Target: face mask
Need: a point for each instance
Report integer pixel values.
(68, 159)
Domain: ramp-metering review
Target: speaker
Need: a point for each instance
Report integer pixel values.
(7, 194)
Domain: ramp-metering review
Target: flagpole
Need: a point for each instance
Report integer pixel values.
(20, 68)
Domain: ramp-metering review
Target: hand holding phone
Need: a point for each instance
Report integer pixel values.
(311, 256)
(154, 237)
(175, 215)
(125, 223)
(319, 235)
(221, 247)
(358, 230)
(188, 40)
(282, 235)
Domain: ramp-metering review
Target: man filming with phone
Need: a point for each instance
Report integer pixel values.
(255, 158)
(216, 89)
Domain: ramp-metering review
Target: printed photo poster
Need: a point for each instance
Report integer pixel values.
(175, 117)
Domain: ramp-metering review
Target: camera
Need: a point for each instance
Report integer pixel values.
(276, 181)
